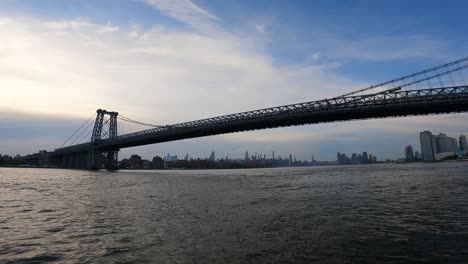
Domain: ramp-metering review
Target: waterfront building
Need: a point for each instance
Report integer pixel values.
(446, 144)
(428, 145)
(409, 154)
(135, 162)
(146, 164)
(342, 159)
(444, 155)
(417, 155)
(365, 158)
(463, 144)
(157, 163)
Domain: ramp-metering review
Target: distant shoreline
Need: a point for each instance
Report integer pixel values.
(185, 169)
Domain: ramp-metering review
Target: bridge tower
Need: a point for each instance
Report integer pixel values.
(94, 155)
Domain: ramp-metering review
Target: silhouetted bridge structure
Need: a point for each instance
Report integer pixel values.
(440, 90)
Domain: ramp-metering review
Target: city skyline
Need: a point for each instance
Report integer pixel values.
(409, 153)
(140, 64)
(417, 153)
(439, 146)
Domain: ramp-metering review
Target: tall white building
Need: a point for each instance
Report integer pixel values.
(428, 145)
(463, 144)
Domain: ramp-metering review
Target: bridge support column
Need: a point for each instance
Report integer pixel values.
(93, 163)
(112, 160)
(96, 160)
(112, 156)
(94, 154)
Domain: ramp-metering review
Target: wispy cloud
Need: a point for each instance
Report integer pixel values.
(68, 24)
(72, 67)
(187, 12)
(384, 48)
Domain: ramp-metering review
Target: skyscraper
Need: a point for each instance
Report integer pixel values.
(409, 154)
(428, 146)
(212, 156)
(463, 144)
(446, 144)
(365, 158)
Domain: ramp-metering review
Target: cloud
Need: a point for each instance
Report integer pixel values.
(68, 24)
(384, 48)
(260, 28)
(157, 75)
(188, 13)
(23, 132)
(69, 68)
(351, 45)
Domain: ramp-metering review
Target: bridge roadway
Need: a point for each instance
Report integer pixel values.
(379, 105)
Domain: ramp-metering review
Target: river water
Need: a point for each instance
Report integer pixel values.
(411, 213)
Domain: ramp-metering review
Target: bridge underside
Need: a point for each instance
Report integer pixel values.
(72, 160)
(83, 160)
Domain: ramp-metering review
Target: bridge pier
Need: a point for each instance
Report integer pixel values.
(112, 162)
(74, 160)
(40, 159)
(96, 159)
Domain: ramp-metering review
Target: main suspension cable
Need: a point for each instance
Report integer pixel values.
(78, 130)
(124, 118)
(457, 62)
(84, 130)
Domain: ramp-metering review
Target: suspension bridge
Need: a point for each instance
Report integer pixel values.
(95, 145)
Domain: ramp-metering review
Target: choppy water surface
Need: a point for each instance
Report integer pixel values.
(415, 213)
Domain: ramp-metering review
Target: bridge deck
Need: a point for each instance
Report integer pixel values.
(381, 105)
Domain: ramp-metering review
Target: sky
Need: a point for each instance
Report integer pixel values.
(169, 61)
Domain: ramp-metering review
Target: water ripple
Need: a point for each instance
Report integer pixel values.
(414, 213)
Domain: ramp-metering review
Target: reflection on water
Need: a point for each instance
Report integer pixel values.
(359, 214)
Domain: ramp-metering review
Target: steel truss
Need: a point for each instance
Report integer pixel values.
(379, 105)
